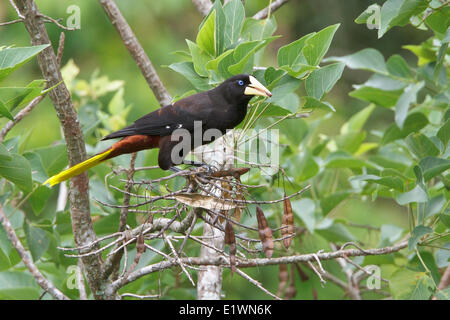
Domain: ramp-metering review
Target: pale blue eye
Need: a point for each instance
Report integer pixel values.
(240, 82)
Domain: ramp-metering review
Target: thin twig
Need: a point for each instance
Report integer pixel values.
(264, 13)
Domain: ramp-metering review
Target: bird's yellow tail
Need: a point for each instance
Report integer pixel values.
(78, 168)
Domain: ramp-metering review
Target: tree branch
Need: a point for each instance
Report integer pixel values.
(79, 186)
(264, 13)
(137, 52)
(219, 261)
(41, 280)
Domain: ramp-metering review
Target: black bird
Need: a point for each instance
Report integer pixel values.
(218, 109)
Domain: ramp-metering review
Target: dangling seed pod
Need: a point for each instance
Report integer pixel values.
(265, 233)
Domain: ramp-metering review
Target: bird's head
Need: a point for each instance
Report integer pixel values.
(242, 87)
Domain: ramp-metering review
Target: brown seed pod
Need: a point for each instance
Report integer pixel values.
(231, 241)
(265, 233)
(303, 276)
(287, 222)
(226, 194)
(291, 291)
(283, 277)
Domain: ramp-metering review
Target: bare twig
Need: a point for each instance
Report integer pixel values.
(264, 13)
(257, 284)
(55, 21)
(45, 284)
(137, 52)
(10, 22)
(59, 54)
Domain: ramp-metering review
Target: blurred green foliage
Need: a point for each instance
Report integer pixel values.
(375, 149)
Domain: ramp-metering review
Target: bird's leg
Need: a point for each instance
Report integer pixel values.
(175, 169)
(209, 168)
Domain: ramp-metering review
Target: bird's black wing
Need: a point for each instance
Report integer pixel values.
(164, 121)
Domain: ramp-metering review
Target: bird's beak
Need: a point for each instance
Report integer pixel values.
(255, 88)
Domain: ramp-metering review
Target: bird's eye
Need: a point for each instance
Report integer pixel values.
(240, 82)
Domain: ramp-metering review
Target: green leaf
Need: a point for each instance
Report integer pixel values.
(444, 132)
(244, 52)
(305, 165)
(54, 158)
(434, 206)
(37, 241)
(305, 209)
(421, 146)
(299, 70)
(4, 154)
(13, 58)
(330, 202)
(415, 195)
(342, 159)
(443, 256)
(367, 59)
(291, 54)
(350, 141)
(220, 28)
(397, 66)
(187, 70)
(380, 97)
(357, 121)
(255, 29)
(317, 45)
(443, 294)
(313, 103)
(37, 168)
(235, 16)
(389, 234)
(206, 35)
(214, 64)
(390, 181)
(413, 123)
(336, 232)
(322, 80)
(398, 13)
(18, 285)
(199, 58)
(4, 112)
(409, 285)
(38, 200)
(417, 233)
(283, 87)
(18, 171)
(408, 97)
(275, 111)
(368, 15)
(439, 20)
(432, 166)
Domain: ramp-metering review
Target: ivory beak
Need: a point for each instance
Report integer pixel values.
(255, 88)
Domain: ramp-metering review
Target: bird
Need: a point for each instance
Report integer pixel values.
(219, 109)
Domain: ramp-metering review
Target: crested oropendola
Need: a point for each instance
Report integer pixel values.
(221, 108)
